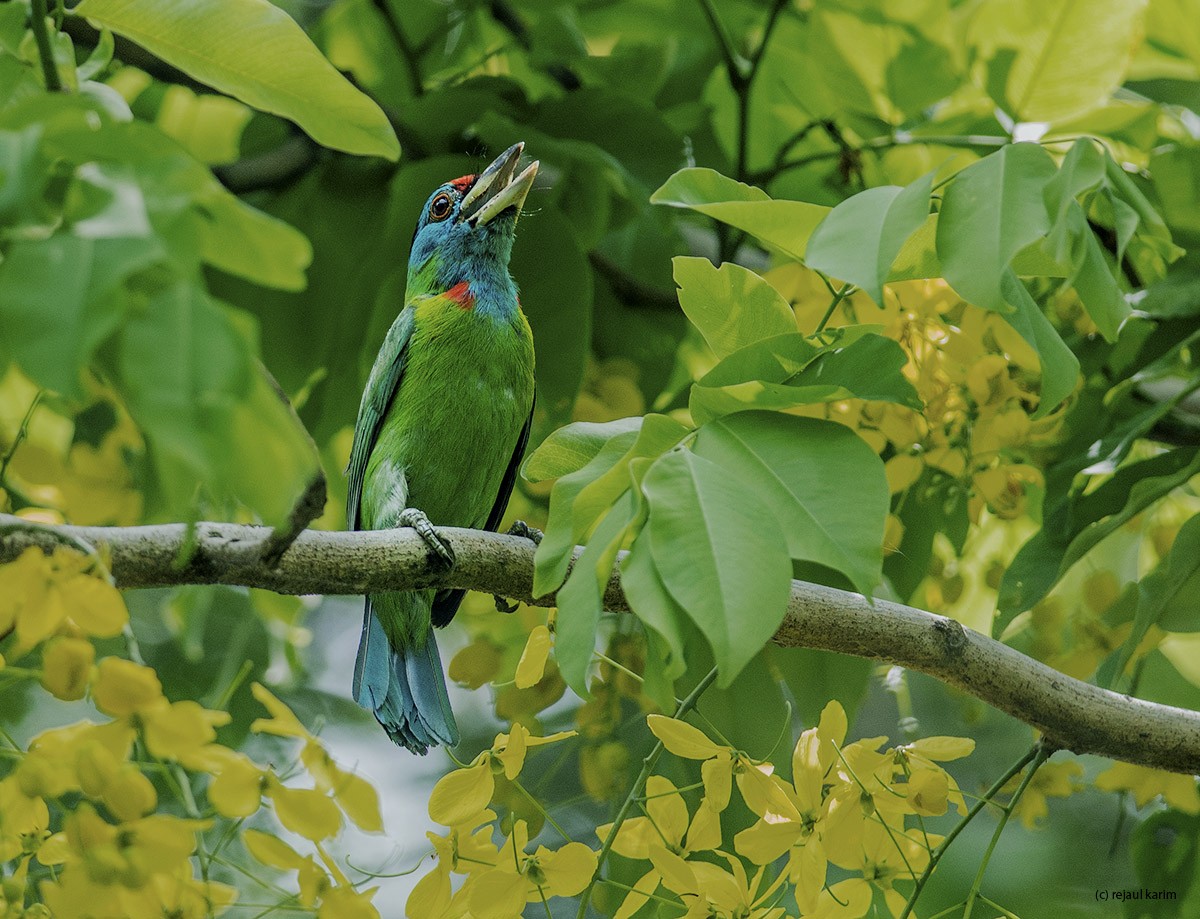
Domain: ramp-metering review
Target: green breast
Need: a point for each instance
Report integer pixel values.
(452, 427)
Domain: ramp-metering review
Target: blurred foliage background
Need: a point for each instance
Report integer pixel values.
(204, 207)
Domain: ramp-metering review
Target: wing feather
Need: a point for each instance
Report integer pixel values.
(381, 389)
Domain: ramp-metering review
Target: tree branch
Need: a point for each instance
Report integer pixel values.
(1072, 714)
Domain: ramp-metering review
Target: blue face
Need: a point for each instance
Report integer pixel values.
(465, 250)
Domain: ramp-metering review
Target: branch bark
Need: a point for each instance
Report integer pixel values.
(1073, 715)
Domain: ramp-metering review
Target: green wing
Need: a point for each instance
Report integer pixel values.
(377, 398)
(446, 602)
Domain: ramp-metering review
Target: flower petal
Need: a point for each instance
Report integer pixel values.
(461, 794)
(681, 738)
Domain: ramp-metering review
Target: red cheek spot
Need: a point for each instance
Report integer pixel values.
(464, 182)
(460, 295)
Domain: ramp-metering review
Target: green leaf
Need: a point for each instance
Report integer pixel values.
(1082, 171)
(1094, 282)
(254, 51)
(581, 598)
(1170, 592)
(860, 238)
(573, 447)
(785, 225)
(786, 371)
(731, 305)
(1048, 60)
(651, 601)
(1060, 366)
(60, 298)
(824, 485)
(245, 242)
(657, 434)
(553, 554)
(990, 211)
(721, 555)
(1079, 524)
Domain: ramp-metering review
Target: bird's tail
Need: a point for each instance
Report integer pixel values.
(403, 686)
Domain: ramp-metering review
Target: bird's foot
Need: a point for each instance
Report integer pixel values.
(534, 535)
(525, 531)
(438, 547)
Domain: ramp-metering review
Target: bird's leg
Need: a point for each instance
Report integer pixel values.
(439, 547)
(525, 531)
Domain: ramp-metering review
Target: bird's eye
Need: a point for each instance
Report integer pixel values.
(439, 208)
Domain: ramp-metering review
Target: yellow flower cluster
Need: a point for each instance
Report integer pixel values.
(499, 878)
(846, 805)
(82, 803)
(975, 374)
(59, 469)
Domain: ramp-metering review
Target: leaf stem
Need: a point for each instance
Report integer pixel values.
(638, 785)
(1043, 753)
(412, 61)
(37, 23)
(838, 297)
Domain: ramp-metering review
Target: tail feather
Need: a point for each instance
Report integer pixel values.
(404, 687)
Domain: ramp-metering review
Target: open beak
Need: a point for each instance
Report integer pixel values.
(497, 189)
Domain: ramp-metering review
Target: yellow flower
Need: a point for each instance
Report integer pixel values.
(123, 688)
(1146, 784)
(1052, 780)
(356, 796)
(460, 795)
(236, 787)
(503, 891)
(812, 759)
(42, 592)
(466, 849)
(282, 723)
(305, 811)
(24, 820)
(532, 664)
(50, 768)
(345, 902)
(710, 890)
(67, 667)
(720, 766)
(666, 823)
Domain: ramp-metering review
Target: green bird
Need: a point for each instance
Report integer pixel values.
(441, 429)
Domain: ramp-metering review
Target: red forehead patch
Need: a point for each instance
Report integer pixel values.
(465, 182)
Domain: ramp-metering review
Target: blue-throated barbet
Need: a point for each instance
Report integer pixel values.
(442, 427)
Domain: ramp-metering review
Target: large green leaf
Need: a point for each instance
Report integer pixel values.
(1170, 592)
(251, 49)
(1080, 523)
(60, 298)
(651, 601)
(823, 483)
(720, 553)
(573, 447)
(554, 552)
(580, 599)
(731, 305)
(991, 211)
(208, 412)
(786, 371)
(861, 237)
(1048, 60)
(785, 225)
(1060, 366)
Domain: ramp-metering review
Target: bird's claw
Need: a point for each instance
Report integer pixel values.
(525, 531)
(504, 605)
(438, 547)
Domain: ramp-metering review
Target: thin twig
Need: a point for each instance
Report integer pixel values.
(635, 792)
(37, 23)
